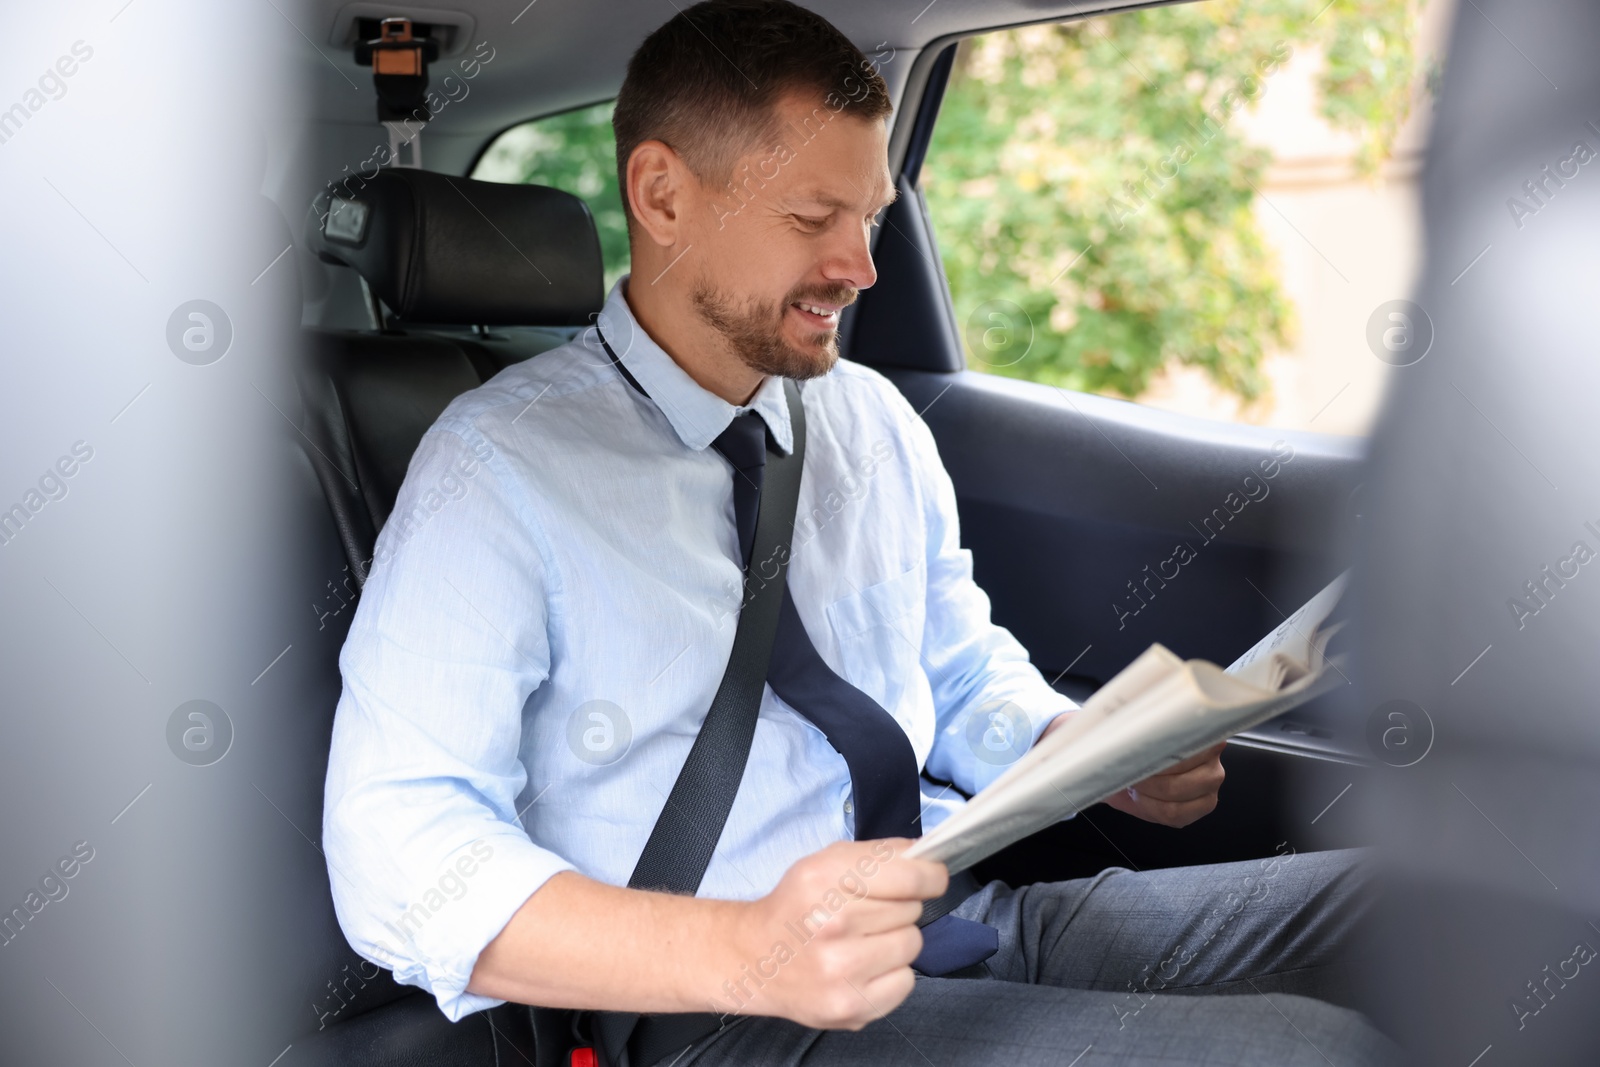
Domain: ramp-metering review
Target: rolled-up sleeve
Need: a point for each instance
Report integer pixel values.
(991, 703)
(427, 857)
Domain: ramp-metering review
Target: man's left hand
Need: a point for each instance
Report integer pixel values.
(1178, 795)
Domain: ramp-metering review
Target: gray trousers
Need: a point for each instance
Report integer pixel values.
(1235, 963)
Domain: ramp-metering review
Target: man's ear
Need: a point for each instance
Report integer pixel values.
(658, 190)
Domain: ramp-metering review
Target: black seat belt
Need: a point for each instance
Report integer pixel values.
(685, 836)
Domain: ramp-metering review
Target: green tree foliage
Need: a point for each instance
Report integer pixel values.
(1094, 208)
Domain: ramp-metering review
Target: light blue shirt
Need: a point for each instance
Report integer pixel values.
(550, 610)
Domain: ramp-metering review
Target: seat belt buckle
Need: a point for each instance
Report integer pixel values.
(583, 1057)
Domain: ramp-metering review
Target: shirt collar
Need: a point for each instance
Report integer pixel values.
(698, 415)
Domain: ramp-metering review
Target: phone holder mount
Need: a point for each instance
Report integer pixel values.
(399, 60)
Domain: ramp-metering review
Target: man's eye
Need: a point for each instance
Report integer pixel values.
(808, 223)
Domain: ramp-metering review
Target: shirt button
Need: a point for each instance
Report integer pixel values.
(849, 807)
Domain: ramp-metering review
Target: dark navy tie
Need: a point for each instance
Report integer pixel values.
(883, 767)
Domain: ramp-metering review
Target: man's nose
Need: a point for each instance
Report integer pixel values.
(850, 260)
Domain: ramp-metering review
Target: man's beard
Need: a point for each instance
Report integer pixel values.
(756, 331)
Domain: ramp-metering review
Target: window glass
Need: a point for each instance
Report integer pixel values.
(574, 151)
(1209, 208)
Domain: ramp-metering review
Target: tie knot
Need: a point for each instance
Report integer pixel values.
(744, 442)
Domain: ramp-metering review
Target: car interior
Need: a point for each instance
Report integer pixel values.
(420, 283)
(242, 280)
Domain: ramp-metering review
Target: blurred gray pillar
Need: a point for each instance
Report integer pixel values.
(1479, 566)
(155, 627)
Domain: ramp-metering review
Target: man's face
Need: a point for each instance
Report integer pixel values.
(784, 248)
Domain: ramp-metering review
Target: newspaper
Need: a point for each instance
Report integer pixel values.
(1157, 712)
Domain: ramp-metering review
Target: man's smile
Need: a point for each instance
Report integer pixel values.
(823, 316)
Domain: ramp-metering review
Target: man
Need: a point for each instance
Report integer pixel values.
(528, 669)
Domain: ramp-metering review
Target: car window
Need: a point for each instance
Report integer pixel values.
(1199, 208)
(574, 151)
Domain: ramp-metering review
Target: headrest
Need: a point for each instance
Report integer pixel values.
(442, 249)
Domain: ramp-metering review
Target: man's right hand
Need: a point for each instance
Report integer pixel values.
(831, 946)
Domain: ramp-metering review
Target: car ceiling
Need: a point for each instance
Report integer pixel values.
(552, 55)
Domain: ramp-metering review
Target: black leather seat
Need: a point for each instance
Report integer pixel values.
(440, 252)
(367, 400)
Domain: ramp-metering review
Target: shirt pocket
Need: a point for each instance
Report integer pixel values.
(879, 630)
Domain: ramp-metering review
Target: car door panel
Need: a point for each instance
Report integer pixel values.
(1075, 507)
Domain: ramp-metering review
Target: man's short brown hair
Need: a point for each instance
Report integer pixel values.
(706, 83)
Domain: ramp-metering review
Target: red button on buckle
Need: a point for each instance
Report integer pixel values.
(583, 1057)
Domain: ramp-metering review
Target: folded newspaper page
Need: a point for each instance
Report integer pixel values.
(1158, 711)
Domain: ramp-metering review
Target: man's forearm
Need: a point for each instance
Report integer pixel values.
(831, 946)
(579, 943)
